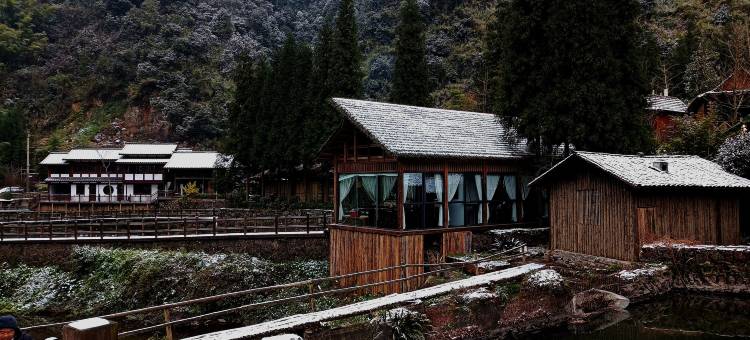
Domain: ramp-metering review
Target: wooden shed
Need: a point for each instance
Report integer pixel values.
(412, 183)
(609, 205)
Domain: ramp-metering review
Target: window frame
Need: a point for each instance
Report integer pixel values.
(480, 203)
(423, 203)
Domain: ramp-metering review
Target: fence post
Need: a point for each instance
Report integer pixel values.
(25, 231)
(215, 224)
(50, 230)
(325, 218)
(523, 257)
(101, 229)
(2, 232)
(75, 229)
(312, 298)
(168, 327)
(127, 228)
(197, 225)
(184, 226)
(156, 228)
(90, 329)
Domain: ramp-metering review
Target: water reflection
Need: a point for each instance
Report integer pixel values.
(677, 316)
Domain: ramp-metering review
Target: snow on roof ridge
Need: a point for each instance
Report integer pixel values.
(411, 106)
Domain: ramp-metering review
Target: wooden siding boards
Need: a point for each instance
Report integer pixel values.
(631, 218)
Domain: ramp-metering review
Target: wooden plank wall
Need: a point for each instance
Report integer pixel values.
(456, 243)
(356, 251)
(611, 234)
(707, 219)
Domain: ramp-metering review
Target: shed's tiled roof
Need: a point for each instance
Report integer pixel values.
(54, 158)
(638, 171)
(148, 149)
(92, 154)
(666, 103)
(197, 160)
(412, 131)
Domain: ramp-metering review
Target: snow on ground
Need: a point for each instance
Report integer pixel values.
(518, 230)
(479, 294)
(547, 278)
(493, 265)
(630, 275)
(284, 337)
(698, 246)
(299, 320)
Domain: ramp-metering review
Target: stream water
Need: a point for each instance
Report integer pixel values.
(676, 316)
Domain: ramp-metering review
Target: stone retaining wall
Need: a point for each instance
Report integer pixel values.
(718, 269)
(273, 248)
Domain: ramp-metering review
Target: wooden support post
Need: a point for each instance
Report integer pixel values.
(2, 232)
(25, 231)
(127, 228)
(184, 225)
(307, 220)
(312, 298)
(90, 329)
(50, 230)
(101, 229)
(168, 328)
(197, 225)
(75, 229)
(276, 224)
(215, 224)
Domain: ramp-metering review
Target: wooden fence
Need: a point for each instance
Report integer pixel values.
(312, 289)
(155, 226)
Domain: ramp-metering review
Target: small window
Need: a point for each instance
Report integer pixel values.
(108, 190)
(80, 189)
(142, 189)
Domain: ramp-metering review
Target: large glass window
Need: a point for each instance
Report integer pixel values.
(465, 199)
(502, 198)
(368, 200)
(423, 200)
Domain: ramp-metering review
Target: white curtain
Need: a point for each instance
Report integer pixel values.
(345, 186)
(478, 184)
(454, 180)
(510, 190)
(493, 181)
(370, 184)
(439, 193)
(389, 181)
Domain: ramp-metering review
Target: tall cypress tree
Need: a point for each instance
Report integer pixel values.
(568, 72)
(322, 119)
(410, 80)
(346, 75)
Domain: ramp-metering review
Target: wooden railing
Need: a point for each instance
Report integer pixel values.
(313, 289)
(155, 226)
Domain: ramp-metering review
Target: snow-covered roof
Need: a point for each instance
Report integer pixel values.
(197, 160)
(142, 160)
(148, 149)
(412, 131)
(640, 171)
(666, 103)
(92, 155)
(54, 158)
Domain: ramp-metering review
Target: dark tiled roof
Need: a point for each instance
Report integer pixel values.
(412, 131)
(639, 171)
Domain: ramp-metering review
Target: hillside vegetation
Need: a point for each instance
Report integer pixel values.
(88, 72)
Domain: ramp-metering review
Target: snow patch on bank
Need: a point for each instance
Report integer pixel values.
(630, 275)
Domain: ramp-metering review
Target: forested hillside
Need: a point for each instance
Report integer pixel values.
(86, 72)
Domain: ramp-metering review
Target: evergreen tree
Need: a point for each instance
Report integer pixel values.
(345, 79)
(410, 80)
(567, 73)
(322, 120)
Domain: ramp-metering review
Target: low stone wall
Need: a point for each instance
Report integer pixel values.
(705, 268)
(270, 247)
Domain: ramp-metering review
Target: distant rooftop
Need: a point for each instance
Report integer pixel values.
(141, 153)
(666, 103)
(643, 171)
(413, 131)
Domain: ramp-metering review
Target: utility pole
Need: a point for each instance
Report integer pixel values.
(28, 158)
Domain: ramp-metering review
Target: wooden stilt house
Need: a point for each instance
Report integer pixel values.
(412, 183)
(609, 205)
